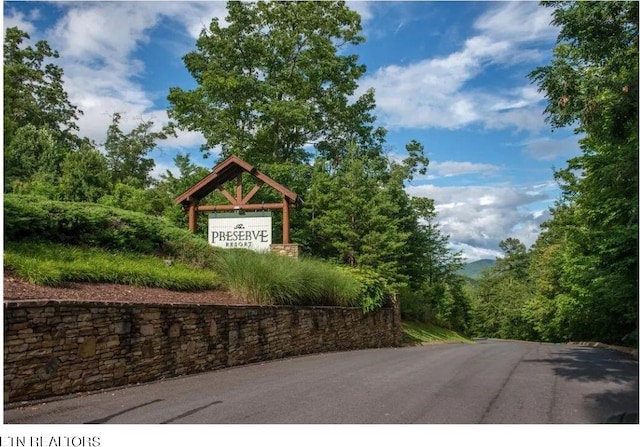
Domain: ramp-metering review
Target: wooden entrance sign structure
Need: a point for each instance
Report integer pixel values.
(228, 170)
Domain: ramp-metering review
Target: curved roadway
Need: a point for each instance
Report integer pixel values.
(487, 382)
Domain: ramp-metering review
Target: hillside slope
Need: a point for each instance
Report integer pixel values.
(474, 269)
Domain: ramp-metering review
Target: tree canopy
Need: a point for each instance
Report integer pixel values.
(34, 92)
(276, 81)
(126, 153)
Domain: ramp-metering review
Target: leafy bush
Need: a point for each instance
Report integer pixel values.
(36, 219)
(374, 289)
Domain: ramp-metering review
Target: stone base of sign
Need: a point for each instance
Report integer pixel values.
(290, 250)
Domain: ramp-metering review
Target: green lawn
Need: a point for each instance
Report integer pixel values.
(50, 264)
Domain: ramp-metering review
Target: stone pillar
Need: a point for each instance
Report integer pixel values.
(290, 250)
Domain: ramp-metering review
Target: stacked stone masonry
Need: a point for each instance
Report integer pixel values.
(287, 250)
(58, 348)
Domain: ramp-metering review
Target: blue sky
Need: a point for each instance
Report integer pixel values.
(452, 75)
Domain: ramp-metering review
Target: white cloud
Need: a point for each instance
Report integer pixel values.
(525, 118)
(86, 33)
(470, 253)
(518, 98)
(455, 168)
(364, 8)
(161, 168)
(13, 18)
(184, 139)
(192, 16)
(434, 92)
(517, 22)
(482, 216)
(548, 149)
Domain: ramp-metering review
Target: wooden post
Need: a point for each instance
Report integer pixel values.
(239, 189)
(193, 208)
(285, 221)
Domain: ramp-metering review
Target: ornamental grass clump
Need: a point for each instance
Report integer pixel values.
(267, 278)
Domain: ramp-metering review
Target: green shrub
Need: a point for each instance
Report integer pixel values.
(374, 289)
(33, 218)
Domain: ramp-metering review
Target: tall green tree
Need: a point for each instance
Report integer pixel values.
(515, 260)
(437, 293)
(412, 257)
(353, 217)
(437, 260)
(592, 84)
(553, 312)
(127, 153)
(32, 158)
(39, 120)
(276, 81)
(34, 92)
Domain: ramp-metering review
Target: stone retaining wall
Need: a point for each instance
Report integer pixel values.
(57, 348)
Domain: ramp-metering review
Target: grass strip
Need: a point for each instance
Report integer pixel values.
(51, 264)
(415, 332)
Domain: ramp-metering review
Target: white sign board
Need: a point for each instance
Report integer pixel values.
(232, 230)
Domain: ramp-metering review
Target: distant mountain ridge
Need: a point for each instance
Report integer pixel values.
(474, 269)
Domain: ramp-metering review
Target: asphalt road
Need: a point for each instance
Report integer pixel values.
(488, 382)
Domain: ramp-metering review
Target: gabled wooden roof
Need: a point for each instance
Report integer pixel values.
(228, 170)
